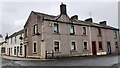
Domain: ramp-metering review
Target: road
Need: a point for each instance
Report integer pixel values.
(77, 61)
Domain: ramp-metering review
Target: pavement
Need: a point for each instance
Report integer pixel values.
(20, 58)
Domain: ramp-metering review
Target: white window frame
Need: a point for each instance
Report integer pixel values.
(58, 27)
(54, 45)
(87, 45)
(36, 46)
(86, 30)
(74, 29)
(71, 44)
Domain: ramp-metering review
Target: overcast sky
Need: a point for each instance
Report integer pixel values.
(15, 14)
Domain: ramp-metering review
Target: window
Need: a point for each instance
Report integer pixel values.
(35, 29)
(99, 32)
(56, 28)
(26, 32)
(85, 46)
(20, 50)
(15, 39)
(72, 30)
(115, 34)
(11, 40)
(73, 46)
(84, 31)
(116, 45)
(3, 50)
(14, 50)
(56, 45)
(100, 46)
(34, 47)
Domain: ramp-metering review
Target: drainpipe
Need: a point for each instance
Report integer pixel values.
(43, 47)
(90, 38)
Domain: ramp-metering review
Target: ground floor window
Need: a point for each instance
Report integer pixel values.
(14, 50)
(3, 50)
(34, 47)
(56, 45)
(85, 45)
(73, 46)
(20, 50)
(116, 45)
(100, 46)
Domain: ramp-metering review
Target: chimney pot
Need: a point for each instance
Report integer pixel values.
(103, 23)
(63, 9)
(75, 17)
(89, 20)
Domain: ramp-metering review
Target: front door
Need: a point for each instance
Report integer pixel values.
(94, 48)
(9, 51)
(108, 48)
(25, 50)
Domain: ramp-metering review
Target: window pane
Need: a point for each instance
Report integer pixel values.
(72, 29)
(84, 30)
(85, 45)
(73, 47)
(56, 27)
(56, 46)
(34, 47)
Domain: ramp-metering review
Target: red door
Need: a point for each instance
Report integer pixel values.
(94, 48)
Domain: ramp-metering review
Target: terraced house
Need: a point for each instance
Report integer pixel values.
(47, 35)
(14, 44)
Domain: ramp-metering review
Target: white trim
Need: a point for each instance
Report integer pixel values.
(75, 44)
(33, 47)
(54, 45)
(87, 44)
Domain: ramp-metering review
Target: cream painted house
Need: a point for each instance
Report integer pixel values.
(14, 45)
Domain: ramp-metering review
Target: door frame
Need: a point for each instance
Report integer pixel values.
(94, 50)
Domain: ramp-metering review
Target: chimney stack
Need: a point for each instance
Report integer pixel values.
(103, 23)
(89, 20)
(75, 17)
(63, 8)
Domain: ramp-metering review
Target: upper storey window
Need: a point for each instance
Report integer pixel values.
(72, 30)
(56, 27)
(84, 30)
(115, 34)
(26, 32)
(35, 29)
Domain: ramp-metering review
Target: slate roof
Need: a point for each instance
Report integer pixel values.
(79, 22)
(16, 33)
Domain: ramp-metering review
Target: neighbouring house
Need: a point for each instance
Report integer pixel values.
(51, 36)
(14, 44)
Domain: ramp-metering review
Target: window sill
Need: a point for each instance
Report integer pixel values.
(99, 36)
(84, 35)
(55, 33)
(72, 34)
(34, 52)
(100, 49)
(73, 50)
(85, 50)
(56, 52)
(36, 34)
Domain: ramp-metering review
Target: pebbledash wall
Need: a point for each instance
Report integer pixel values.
(62, 36)
(65, 36)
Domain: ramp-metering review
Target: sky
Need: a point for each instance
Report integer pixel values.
(14, 14)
